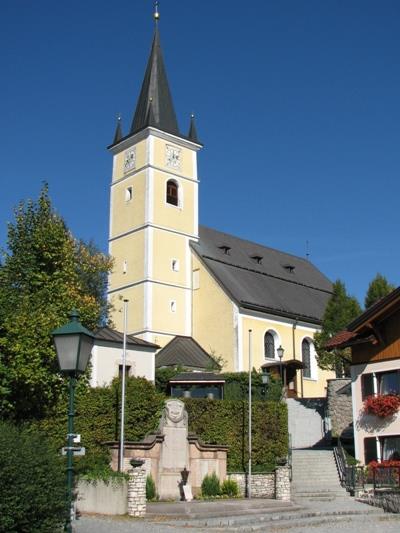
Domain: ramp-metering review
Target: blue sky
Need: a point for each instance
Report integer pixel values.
(297, 103)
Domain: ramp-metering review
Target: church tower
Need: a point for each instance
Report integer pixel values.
(153, 213)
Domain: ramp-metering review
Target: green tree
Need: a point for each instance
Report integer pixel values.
(341, 310)
(43, 275)
(377, 289)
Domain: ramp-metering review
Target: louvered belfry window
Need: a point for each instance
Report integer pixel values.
(172, 192)
(305, 352)
(269, 345)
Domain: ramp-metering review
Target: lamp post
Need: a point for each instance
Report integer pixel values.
(73, 344)
(280, 351)
(265, 380)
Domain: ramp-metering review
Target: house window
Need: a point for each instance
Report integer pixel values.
(225, 249)
(306, 357)
(127, 371)
(390, 447)
(257, 259)
(370, 450)
(128, 194)
(269, 345)
(172, 192)
(386, 383)
(175, 265)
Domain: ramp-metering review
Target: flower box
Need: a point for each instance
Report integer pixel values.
(382, 405)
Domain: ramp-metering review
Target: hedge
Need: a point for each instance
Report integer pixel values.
(214, 421)
(226, 422)
(32, 482)
(97, 418)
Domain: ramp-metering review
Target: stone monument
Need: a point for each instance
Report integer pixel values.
(174, 455)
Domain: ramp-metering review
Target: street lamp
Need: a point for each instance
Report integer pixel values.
(73, 345)
(265, 380)
(280, 351)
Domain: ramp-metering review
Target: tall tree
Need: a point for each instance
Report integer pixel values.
(377, 289)
(341, 310)
(43, 275)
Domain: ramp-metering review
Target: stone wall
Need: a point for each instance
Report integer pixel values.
(102, 498)
(262, 485)
(339, 405)
(282, 483)
(137, 492)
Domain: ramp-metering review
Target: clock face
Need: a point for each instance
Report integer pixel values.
(173, 156)
(130, 159)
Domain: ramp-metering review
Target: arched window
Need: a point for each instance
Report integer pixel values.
(269, 345)
(306, 356)
(172, 192)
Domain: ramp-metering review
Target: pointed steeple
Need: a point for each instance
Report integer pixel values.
(155, 89)
(118, 131)
(192, 135)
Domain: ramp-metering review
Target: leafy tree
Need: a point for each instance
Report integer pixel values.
(341, 310)
(377, 289)
(43, 275)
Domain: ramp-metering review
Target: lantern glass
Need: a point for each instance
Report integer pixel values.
(280, 352)
(67, 347)
(85, 349)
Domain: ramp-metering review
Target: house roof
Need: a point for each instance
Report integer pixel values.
(361, 329)
(262, 278)
(184, 351)
(197, 377)
(112, 335)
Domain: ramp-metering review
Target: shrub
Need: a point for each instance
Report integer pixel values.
(210, 485)
(383, 405)
(32, 482)
(230, 488)
(151, 493)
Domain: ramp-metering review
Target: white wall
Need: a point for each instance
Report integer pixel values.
(107, 356)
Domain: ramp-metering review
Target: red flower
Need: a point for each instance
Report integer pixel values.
(382, 405)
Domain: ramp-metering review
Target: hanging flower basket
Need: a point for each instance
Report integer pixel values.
(383, 405)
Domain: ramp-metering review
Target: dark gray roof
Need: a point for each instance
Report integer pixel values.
(197, 376)
(183, 351)
(192, 135)
(262, 278)
(155, 89)
(111, 335)
(118, 131)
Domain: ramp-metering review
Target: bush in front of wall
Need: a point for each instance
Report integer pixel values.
(151, 493)
(230, 488)
(210, 486)
(32, 482)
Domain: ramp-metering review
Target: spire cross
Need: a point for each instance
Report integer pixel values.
(156, 12)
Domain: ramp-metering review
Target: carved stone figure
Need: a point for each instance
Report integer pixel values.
(175, 414)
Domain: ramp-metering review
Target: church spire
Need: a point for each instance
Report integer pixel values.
(192, 135)
(155, 89)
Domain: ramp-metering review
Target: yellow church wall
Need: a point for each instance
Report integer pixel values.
(126, 215)
(169, 246)
(312, 387)
(129, 248)
(135, 295)
(181, 217)
(164, 319)
(119, 161)
(213, 317)
(186, 156)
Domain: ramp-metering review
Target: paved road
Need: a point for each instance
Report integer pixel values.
(342, 515)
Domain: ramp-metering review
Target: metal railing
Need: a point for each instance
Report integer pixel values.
(351, 477)
(386, 477)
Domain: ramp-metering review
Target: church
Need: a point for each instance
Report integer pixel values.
(193, 291)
